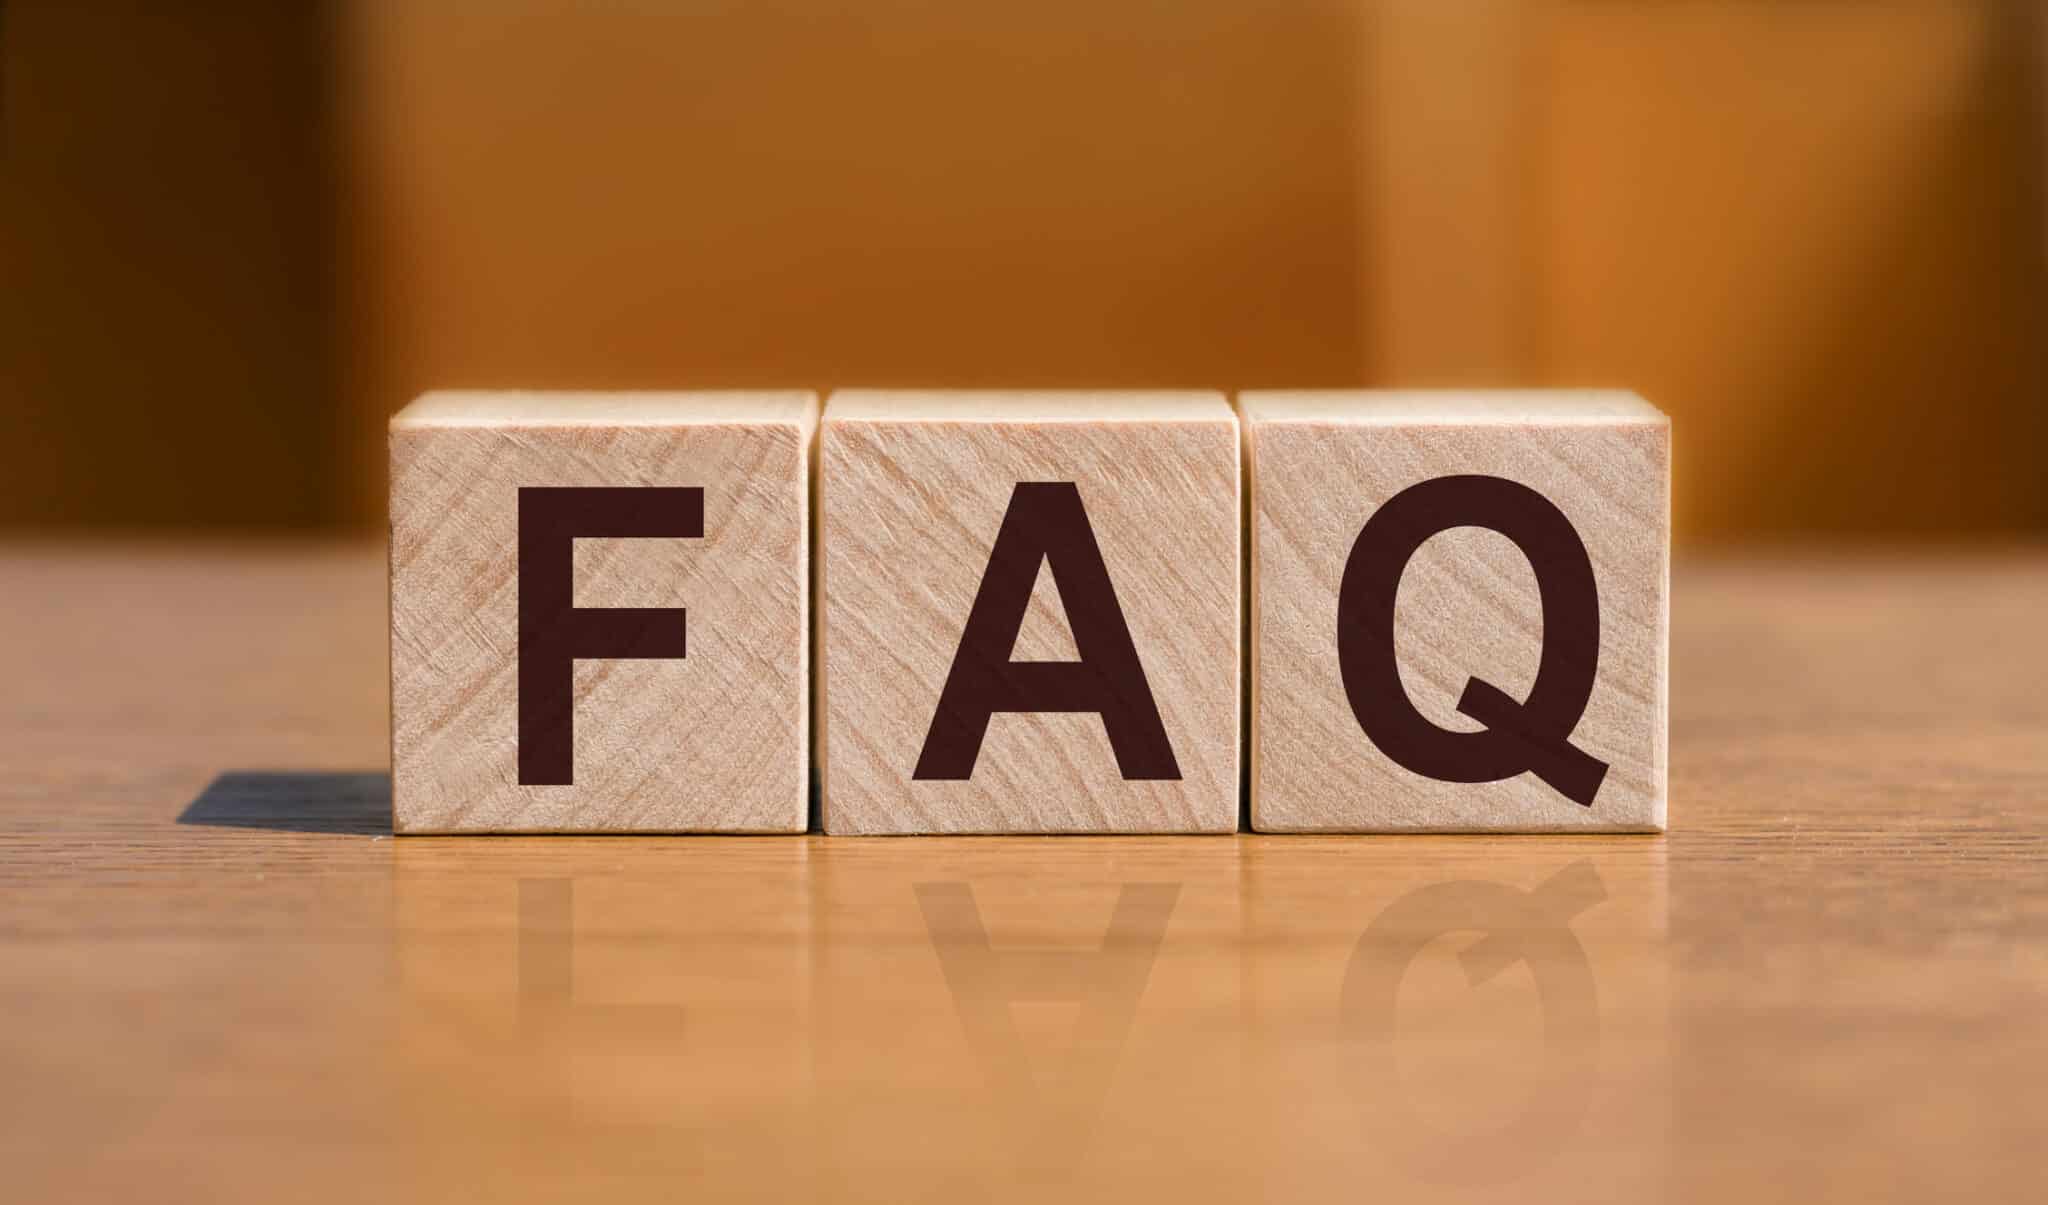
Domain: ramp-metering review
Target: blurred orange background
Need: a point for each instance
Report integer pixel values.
(235, 236)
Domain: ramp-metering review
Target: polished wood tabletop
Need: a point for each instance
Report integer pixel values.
(222, 979)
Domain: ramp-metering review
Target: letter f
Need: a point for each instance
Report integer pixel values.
(554, 632)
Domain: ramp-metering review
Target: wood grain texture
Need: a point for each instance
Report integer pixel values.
(1467, 606)
(914, 489)
(224, 982)
(714, 741)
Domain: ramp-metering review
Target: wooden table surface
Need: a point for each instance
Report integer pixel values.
(222, 979)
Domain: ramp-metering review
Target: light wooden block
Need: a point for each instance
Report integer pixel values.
(1138, 496)
(1444, 645)
(684, 711)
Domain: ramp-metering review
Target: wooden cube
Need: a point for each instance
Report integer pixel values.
(599, 612)
(1030, 612)
(1460, 611)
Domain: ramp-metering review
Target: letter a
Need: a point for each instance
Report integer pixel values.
(1046, 523)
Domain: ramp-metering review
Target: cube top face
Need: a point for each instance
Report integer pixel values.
(1174, 407)
(1465, 407)
(457, 408)
(1438, 603)
(697, 721)
(917, 490)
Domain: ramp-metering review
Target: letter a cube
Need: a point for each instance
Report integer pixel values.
(1460, 611)
(1030, 612)
(600, 612)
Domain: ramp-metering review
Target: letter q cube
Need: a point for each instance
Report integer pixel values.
(1460, 611)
